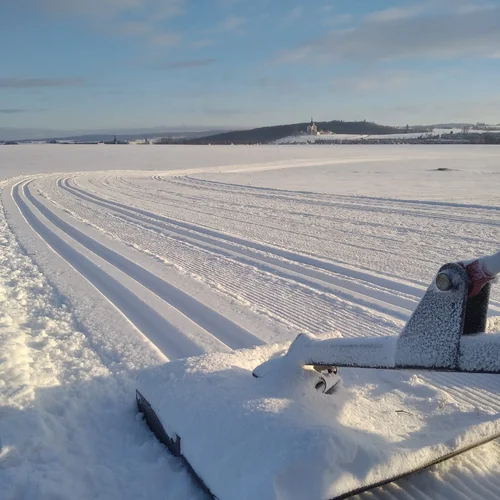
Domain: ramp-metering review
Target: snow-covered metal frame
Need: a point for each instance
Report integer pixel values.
(432, 337)
(445, 332)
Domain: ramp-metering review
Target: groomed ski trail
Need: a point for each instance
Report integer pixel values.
(146, 318)
(88, 223)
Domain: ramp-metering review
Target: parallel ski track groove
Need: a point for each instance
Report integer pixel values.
(378, 241)
(224, 329)
(284, 307)
(145, 318)
(181, 181)
(379, 246)
(433, 252)
(273, 301)
(320, 280)
(322, 241)
(383, 283)
(361, 201)
(495, 304)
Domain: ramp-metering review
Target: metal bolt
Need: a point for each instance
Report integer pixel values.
(444, 282)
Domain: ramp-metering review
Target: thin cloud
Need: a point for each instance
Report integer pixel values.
(170, 9)
(142, 19)
(165, 39)
(11, 111)
(338, 19)
(295, 14)
(233, 23)
(32, 83)
(15, 111)
(224, 112)
(145, 31)
(99, 9)
(230, 24)
(395, 13)
(325, 8)
(185, 64)
(203, 43)
(129, 28)
(430, 35)
(384, 81)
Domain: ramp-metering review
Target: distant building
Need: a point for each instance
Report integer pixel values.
(116, 141)
(312, 128)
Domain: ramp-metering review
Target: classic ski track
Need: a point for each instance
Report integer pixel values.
(291, 268)
(449, 240)
(317, 216)
(316, 318)
(297, 272)
(179, 201)
(355, 202)
(366, 204)
(364, 229)
(433, 251)
(211, 322)
(383, 203)
(383, 241)
(339, 268)
(135, 309)
(345, 199)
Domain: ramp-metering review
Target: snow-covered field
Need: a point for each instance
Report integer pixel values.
(115, 259)
(318, 139)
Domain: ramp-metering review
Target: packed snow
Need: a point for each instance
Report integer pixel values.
(276, 437)
(118, 259)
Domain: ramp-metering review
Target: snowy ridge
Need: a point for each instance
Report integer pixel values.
(134, 268)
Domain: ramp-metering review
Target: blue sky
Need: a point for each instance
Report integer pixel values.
(73, 65)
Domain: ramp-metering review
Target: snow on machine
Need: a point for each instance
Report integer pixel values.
(279, 422)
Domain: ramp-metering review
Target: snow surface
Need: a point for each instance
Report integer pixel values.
(276, 437)
(116, 259)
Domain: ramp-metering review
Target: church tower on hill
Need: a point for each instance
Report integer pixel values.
(312, 128)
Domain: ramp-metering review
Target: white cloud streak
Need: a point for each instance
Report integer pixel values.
(114, 16)
(185, 64)
(409, 34)
(233, 23)
(32, 83)
(295, 14)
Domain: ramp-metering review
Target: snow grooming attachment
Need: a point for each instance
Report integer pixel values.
(295, 430)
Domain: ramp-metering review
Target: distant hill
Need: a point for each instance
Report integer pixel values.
(106, 137)
(265, 135)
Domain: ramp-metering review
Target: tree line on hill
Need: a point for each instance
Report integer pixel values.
(264, 135)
